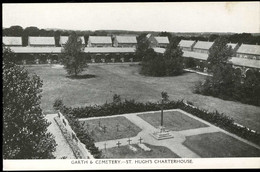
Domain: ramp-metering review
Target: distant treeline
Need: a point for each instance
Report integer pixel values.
(245, 38)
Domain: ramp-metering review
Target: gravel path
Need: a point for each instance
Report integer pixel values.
(62, 149)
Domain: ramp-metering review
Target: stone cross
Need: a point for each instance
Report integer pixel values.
(118, 144)
(140, 140)
(129, 141)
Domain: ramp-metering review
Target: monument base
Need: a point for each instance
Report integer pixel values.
(162, 134)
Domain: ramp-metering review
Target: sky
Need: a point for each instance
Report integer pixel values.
(171, 16)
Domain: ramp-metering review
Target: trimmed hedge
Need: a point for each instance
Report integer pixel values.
(131, 106)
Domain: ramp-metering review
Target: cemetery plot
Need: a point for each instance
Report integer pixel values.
(175, 121)
(102, 129)
(139, 151)
(219, 144)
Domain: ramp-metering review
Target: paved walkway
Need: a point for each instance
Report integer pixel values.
(174, 144)
(62, 149)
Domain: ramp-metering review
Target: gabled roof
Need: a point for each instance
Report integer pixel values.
(245, 62)
(162, 39)
(8, 40)
(186, 43)
(233, 46)
(41, 40)
(203, 45)
(64, 39)
(126, 39)
(249, 49)
(100, 39)
(195, 55)
(36, 49)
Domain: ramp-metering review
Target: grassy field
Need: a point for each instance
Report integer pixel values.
(125, 80)
(125, 128)
(219, 145)
(175, 121)
(126, 152)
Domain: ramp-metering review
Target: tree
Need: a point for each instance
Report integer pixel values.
(142, 46)
(25, 133)
(219, 52)
(72, 56)
(173, 58)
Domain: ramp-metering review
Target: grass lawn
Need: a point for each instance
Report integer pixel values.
(126, 152)
(123, 79)
(175, 121)
(126, 128)
(219, 145)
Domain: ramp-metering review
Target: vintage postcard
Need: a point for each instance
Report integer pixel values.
(162, 85)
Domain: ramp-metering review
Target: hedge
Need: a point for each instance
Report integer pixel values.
(131, 106)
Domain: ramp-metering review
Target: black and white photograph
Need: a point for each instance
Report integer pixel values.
(148, 85)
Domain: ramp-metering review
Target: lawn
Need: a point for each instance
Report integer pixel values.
(123, 79)
(125, 128)
(126, 152)
(175, 121)
(219, 145)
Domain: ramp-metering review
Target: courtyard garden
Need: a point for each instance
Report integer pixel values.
(110, 128)
(124, 80)
(174, 121)
(219, 144)
(134, 151)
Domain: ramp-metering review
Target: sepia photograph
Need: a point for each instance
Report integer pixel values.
(148, 85)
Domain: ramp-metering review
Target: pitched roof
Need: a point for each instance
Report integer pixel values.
(8, 40)
(86, 50)
(126, 39)
(36, 49)
(41, 40)
(109, 50)
(233, 46)
(245, 62)
(195, 55)
(203, 45)
(100, 39)
(186, 43)
(162, 39)
(64, 39)
(249, 49)
(159, 50)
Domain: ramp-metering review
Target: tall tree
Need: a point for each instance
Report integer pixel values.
(72, 56)
(25, 134)
(173, 58)
(219, 52)
(142, 46)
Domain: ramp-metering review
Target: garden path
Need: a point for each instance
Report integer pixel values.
(63, 149)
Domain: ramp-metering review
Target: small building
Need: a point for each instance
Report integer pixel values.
(187, 45)
(12, 41)
(125, 41)
(64, 39)
(99, 41)
(202, 46)
(41, 41)
(248, 51)
(158, 41)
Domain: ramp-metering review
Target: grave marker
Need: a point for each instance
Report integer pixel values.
(118, 144)
(140, 140)
(129, 141)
